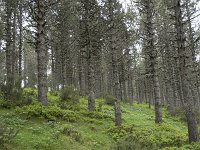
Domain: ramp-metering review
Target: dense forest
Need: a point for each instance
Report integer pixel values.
(104, 63)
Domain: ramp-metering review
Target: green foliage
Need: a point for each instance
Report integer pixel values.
(13, 120)
(54, 93)
(159, 136)
(6, 136)
(70, 116)
(38, 110)
(68, 106)
(29, 95)
(5, 103)
(100, 105)
(75, 128)
(193, 146)
(130, 143)
(18, 97)
(92, 121)
(12, 100)
(3, 89)
(118, 132)
(69, 95)
(50, 113)
(72, 132)
(110, 100)
(180, 115)
(96, 115)
(30, 110)
(69, 99)
(179, 112)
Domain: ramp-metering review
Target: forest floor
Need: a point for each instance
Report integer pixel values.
(74, 128)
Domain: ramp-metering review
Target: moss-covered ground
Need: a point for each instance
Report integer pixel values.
(74, 128)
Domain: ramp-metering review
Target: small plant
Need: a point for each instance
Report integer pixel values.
(54, 93)
(92, 121)
(110, 100)
(6, 136)
(29, 95)
(118, 132)
(11, 100)
(130, 143)
(5, 103)
(69, 95)
(71, 132)
(160, 136)
(97, 115)
(51, 113)
(100, 105)
(70, 116)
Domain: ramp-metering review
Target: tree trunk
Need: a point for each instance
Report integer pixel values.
(152, 55)
(182, 57)
(9, 79)
(41, 50)
(20, 43)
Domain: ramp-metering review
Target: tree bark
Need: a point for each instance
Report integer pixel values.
(183, 68)
(152, 55)
(20, 43)
(41, 50)
(9, 79)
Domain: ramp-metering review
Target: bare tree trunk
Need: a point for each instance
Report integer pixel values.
(81, 72)
(182, 57)
(91, 83)
(9, 79)
(20, 43)
(152, 54)
(114, 62)
(41, 50)
(195, 81)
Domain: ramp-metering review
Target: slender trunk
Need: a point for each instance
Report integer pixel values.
(81, 73)
(9, 79)
(20, 43)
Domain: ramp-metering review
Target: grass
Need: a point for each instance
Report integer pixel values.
(37, 133)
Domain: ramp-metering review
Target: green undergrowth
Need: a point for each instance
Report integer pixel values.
(67, 125)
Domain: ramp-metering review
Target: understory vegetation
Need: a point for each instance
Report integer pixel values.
(67, 124)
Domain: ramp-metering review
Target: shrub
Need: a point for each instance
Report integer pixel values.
(130, 143)
(69, 95)
(92, 121)
(11, 100)
(29, 95)
(50, 113)
(97, 115)
(68, 106)
(6, 136)
(54, 93)
(70, 116)
(5, 103)
(17, 97)
(3, 89)
(71, 132)
(100, 104)
(110, 100)
(11, 119)
(160, 136)
(193, 146)
(118, 132)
